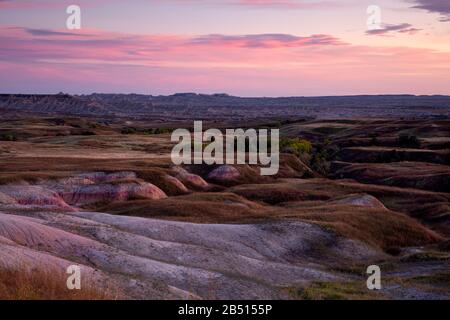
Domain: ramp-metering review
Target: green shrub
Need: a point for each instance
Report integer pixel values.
(373, 139)
(8, 137)
(157, 131)
(94, 125)
(320, 162)
(87, 133)
(296, 146)
(129, 130)
(408, 140)
(391, 156)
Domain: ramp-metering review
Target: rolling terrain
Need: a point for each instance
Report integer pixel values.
(101, 192)
(221, 107)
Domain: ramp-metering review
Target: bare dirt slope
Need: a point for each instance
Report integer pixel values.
(104, 195)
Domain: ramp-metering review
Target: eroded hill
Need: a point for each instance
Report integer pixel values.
(97, 194)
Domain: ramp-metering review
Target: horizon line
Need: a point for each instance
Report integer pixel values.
(231, 95)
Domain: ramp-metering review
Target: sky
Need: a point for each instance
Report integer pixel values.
(239, 47)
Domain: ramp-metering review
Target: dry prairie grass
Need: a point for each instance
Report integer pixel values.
(196, 207)
(377, 227)
(158, 177)
(278, 193)
(381, 228)
(41, 284)
(425, 205)
(352, 290)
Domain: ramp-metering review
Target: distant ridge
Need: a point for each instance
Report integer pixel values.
(219, 105)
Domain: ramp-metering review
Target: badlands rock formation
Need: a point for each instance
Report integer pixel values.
(418, 175)
(29, 196)
(364, 200)
(190, 179)
(88, 188)
(224, 173)
(176, 183)
(42, 226)
(197, 260)
(45, 227)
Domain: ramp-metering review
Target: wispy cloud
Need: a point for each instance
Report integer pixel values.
(282, 4)
(393, 28)
(266, 40)
(20, 4)
(44, 32)
(86, 43)
(271, 4)
(289, 4)
(274, 64)
(435, 6)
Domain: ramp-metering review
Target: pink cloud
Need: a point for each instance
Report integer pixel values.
(388, 29)
(265, 40)
(435, 6)
(290, 4)
(267, 64)
(286, 4)
(35, 44)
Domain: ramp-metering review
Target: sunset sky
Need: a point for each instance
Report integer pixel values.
(240, 47)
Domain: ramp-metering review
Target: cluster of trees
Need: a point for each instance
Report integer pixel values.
(132, 130)
(158, 131)
(405, 140)
(316, 156)
(8, 137)
(296, 146)
(408, 140)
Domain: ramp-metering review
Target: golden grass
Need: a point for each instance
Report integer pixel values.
(381, 228)
(197, 207)
(385, 229)
(425, 205)
(377, 227)
(158, 177)
(31, 177)
(440, 278)
(320, 290)
(41, 284)
(277, 193)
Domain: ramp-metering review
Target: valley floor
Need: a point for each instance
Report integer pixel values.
(141, 228)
